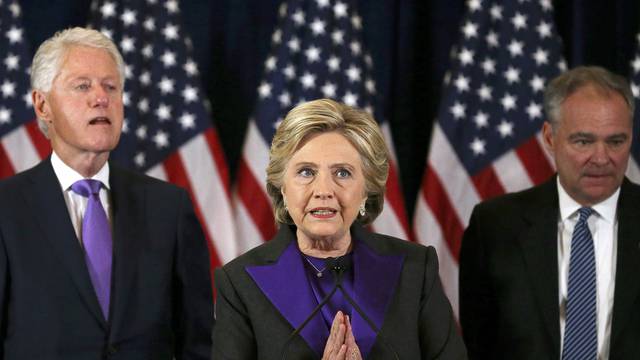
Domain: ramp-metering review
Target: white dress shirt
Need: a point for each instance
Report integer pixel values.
(77, 204)
(603, 225)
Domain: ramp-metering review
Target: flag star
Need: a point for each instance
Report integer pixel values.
(285, 99)
(168, 58)
(5, 115)
(27, 100)
(276, 37)
(108, 9)
(312, 54)
(340, 9)
(333, 63)
(188, 121)
(170, 32)
(294, 44)
(15, 9)
(492, 39)
(308, 81)
(541, 57)
(147, 51)
(515, 47)
(356, 21)
(562, 66)
(163, 112)
(11, 62)
(368, 60)
(461, 83)
(635, 90)
(484, 92)
(191, 68)
(458, 110)
(508, 102)
(298, 17)
(190, 94)
(149, 24)
(329, 90)
(143, 105)
(635, 64)
(145, 78)
(270, 63)
(171, 6)
(465, 56)
(14, 35)
(519, 21)
(108, 33)
(139, 159)
(470, 30)
(488, 66)
(537, 83)
(166, 85)
(512, 75)
(141, 132)
(126, 98)
(546, 5)
(127, 44)
(370, 85)
(264, 90)
(8, 89)
(505, 128)
(496, 12)
(481, 119)
(282, 10)
(128, 17)
(534, 110)
(322, 3)
(477, 146)
(161, 139)
(544, 29)
(128, 71)
(355, 47)
(289, 71)
(353, 73)
(350, 99)
(337, 37)
(474, 5)
(317, 27)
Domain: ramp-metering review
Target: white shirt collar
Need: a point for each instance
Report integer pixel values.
(606, 209)
(67, 176)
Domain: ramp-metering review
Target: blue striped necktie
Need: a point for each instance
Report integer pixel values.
(580, 335)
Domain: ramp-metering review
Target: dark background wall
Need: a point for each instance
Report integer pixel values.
(409, 40)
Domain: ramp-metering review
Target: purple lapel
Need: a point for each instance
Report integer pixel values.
(285, 284)
(375, 278)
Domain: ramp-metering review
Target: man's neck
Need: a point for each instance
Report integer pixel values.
(87, 164)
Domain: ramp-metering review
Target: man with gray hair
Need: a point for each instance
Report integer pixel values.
(552, 272)
(96, 262)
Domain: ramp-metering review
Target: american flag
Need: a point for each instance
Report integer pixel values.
(21, 143)
(486, 140)
(317, 51)
(168, 132)
(633, 171)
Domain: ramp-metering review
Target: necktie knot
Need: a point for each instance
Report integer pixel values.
(585, 212)
(86, 187)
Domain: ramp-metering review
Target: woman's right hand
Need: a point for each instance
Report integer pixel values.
(341, 344)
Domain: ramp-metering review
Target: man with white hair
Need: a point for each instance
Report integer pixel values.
(95, 261)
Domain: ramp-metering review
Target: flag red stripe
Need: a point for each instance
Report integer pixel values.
(177, 175)
(215, 148)
(394, 197)
(487, 183)
(40, 142)
(255, 201)
(436, 197)
(534, 160)
(6, 169)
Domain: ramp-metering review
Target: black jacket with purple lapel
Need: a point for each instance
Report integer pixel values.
(509, 302)
(161, 303)
(264, 294)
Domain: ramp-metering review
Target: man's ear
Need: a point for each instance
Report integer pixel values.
(41, 105)
(547, 137)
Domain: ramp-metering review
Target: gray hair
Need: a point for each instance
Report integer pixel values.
(563, 86)
(51, 53)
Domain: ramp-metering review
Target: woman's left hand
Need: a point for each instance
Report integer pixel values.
(353, 351)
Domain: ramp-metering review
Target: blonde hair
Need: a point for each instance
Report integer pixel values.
(325, 115)
(51, 54)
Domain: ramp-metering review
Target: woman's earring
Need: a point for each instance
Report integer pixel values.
(362, 210)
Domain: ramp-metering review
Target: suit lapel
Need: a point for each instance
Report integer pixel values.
(129, 222)
(539, 244)
(627, 286)
(45, 198)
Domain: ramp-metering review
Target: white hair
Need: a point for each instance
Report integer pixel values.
(51, 53)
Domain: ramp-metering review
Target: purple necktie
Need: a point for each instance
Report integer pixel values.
(96, 238)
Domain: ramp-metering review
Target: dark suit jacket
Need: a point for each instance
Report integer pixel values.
(417, 321)
(161, 299)
(509, 302)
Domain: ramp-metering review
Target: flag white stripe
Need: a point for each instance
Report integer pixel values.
(388, 223)
(20, 149)
(256, 153)
(158, 172)
(511, 173)
(248, 236)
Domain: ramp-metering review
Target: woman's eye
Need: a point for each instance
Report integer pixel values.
(343, 173)
(305, 172)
